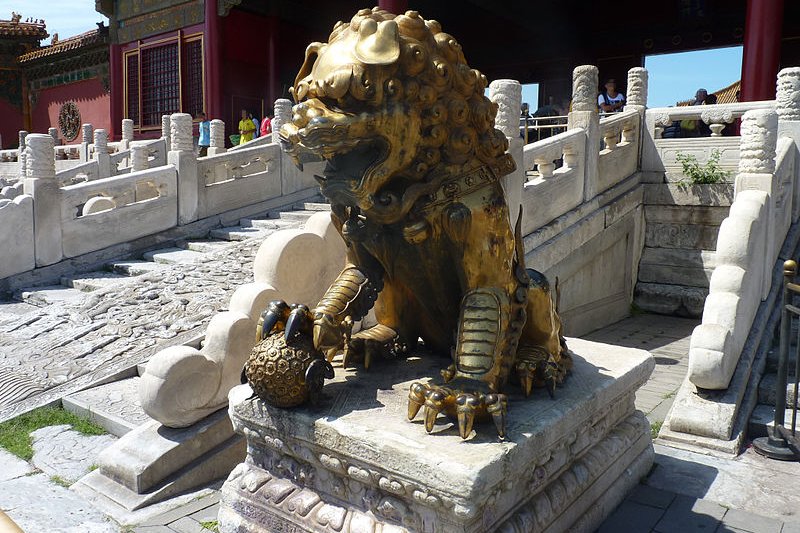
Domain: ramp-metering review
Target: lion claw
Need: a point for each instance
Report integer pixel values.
(466, 407)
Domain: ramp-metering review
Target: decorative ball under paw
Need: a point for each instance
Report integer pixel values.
(286, 374)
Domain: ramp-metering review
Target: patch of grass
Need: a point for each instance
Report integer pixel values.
(212, 525)
(15, 434)
(669, 395)
(58, 480)
(92, 468)
(655, 427)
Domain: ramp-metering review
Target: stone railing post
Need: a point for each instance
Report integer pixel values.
(21, 153)
(757, 148)
(507, 94)
(101, 153)
(138, 157)
(53, 132)
(86, 140)
(283, 114)
(127, 133)
(165, 129)
(584, 115)
(637, 89)
(41, 184)
(181, 154)
(217, 145)
(787, 101)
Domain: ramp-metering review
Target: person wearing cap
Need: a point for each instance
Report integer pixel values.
(611, 101)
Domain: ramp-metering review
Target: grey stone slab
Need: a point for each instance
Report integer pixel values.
(271, 224)
(239, 233)
(791, 527)
(11, 310)
(299, 216)
(208, 514)
(114, 406)
(670, 299)
(153, 529)
(718, 194)
(651, 496)
(659, 413)
(135, 268)
(186, 509)
(12, 466)
(692, 236)
(93, 280)
(697, 214)
(61, 451)
(186, 525)
(174, 255)
(631, 517)
(204, 246)
(51, 294)
(753, 523)
(689, 515)
(37, 505)
(689, 276)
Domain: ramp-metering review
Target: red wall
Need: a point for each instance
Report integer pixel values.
(10, 124)
(92, 101)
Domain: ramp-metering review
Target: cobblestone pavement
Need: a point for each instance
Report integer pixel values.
(66, 347)
(667, 338)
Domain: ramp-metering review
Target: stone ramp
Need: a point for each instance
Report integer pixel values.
(116, 319)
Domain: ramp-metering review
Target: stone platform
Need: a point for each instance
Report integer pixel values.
(356, 464)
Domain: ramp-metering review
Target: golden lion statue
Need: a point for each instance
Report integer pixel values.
(413, 177)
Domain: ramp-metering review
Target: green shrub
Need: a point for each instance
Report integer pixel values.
(711, 172)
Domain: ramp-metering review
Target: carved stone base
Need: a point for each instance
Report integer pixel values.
(356, 465)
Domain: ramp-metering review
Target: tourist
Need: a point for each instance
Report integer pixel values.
(256, 124)
(691, 127)
(266, 125)
(204, 134)
(246, 128)
(611, 101)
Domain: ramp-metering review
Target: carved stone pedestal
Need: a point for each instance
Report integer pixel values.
(356, 464)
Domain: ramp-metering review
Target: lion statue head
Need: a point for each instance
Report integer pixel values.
(392, 106)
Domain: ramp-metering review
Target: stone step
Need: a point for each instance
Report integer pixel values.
(300, 215)
(676, 300)
(268, 223)
(763, 417)
(51, 294)
(767, 390)
(114, 406)
(204, 246)
(673, 235)
(312, 206)
(681, 257)
(134, 267)
(688, 276)
(170, 256)
(239, 233)
(91, 281)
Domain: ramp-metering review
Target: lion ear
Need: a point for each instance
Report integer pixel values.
(312, 51)
(378, 43)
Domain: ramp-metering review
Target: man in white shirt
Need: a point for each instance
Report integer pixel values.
(610, 101)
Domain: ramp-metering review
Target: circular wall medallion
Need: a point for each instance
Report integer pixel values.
(69, 120)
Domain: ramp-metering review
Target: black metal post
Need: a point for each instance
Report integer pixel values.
(775, 445)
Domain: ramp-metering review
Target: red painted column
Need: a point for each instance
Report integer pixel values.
(398, 7)
(273, 78)
(117, 91)
(212, 46)
(762, 49)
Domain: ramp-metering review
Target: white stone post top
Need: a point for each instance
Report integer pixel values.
(637, 87)
(100, 142)
(283, 114)
(788, 94)
(758, 143)
(584, 88)
(181, 132)
(39, 160)
(22, 135)
(86, 133)
(127, 129)
(217, 133)
(165, 127)
(53, 132)
(507, 94)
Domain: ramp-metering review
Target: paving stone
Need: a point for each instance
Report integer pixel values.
(187, 525)
(37, 505)
(208, 514)
(11, 310)
(651, 496)
(12, 466)
(174, 255)
(751, 522)
(93, 280)
(184, 510)
(114, 406)
(313, 206)
(206, 246)
(238, 233)
(61, 451)
(791, 527)
(268, 223)
(153, 529)
(687, 515)
(134, 268)
(51, 294)
(300, 216)
(631, 517)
